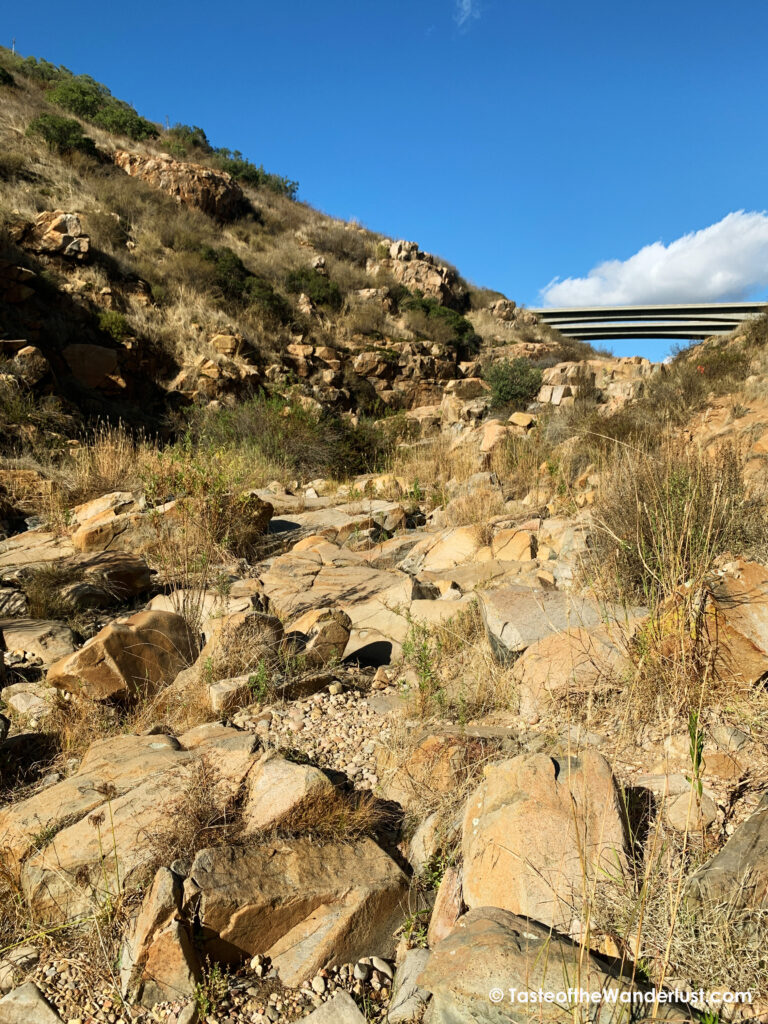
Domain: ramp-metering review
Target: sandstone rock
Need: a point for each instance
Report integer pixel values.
(517, 617)
(240, 641)
(303, 905)
(437, 764)
(30, 366)
(113, 835)
(690, 813)
(130, 658)
(447, 908)
(57, 233)
(277, 787)
(741, 611)
(340, 1009)
(27, 1005)
(575, 661)
(494, 435)
(94, 366)
(408, 998)
(494, 949)
(737, 876)
(323, 634)
(213, 192)
(47, 639)
(532, 830)
(158, 961)
(512, 545)
(15, 963)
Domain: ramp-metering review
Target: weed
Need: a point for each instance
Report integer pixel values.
(211, 989)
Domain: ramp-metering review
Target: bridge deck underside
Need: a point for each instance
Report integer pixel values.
(672, 321)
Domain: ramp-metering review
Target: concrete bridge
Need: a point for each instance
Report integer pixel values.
(689, 320)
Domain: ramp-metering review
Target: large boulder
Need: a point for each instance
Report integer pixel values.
(128, 659)
(277, 788)
(214, 192)
(107, 833)
(46, 639)
(321, 635)
(304, 905)
(538, 831)
(27, 1005)
(516, 617)
(493, 965)
(55, 232)
(576, 661)
(737, 876)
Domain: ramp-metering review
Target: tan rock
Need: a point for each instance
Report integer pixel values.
(447, 908)
(493, 949)
(512, 546)
(303, 905)
(58, 233)
(576, 661)
(522, 419)
(277, 787)
(437, 764)
(130, 658)
(537, 831)
(323, 634)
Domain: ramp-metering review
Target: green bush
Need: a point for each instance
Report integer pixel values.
(63, 134)
(237, 283)
(114, 324)
(318, 287)
(261, 293)
(438, 323)
(80, 95)
(513, 383)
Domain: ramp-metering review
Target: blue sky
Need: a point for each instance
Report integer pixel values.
(526, 141)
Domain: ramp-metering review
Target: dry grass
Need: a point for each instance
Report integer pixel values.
(205, 815)
(331, 817)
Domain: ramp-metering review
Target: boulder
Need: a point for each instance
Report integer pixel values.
(91, 858)
(303, 905)
(214, 192)
(94, 366)
(322, 634)
(740, 600)
(437, 765)
(48, 639)
(277, 787)
(576, 661)
(537, 832)
(408, 998)
(512, 546)
(55, 232)
(126, 659)
(493, 951)
(158, 961)
(27, 1005)
(737, 876)
(15, 963)
(516, 617)
(341, 1008)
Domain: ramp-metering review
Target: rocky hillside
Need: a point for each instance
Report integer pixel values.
(369, 653)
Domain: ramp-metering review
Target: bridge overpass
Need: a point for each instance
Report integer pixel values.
(692, 321)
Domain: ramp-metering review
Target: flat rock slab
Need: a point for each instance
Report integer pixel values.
(516, 617)
(47, 638)
(33, 548)
(304, 905)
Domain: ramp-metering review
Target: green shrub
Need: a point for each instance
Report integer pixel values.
(261, 293)
(92, 101)
(438, 323)
(237, 283)
(318, 287)
(114, 324)
(80, 95)
(63, 134)
(513, 383)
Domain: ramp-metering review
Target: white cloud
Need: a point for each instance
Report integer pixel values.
(725, 262)
(466, 10)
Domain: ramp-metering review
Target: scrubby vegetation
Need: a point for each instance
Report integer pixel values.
(514, 383)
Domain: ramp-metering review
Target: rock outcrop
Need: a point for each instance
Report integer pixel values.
(54, 233)
(213, 192)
